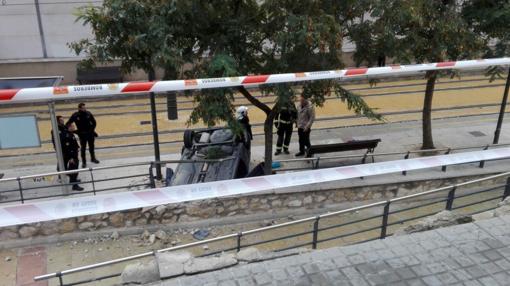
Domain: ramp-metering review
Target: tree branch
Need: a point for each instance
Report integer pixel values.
(254, 101)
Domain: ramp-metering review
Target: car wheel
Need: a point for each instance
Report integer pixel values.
(188, 138)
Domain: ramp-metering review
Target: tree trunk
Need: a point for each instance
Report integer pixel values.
(268, 128)
(268, 142)
(428, 142)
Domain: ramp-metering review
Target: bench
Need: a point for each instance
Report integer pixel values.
(368, 145)
(99, 75)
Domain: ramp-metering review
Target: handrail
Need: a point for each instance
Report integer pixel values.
(231, 158)
(392, 153)
(257, 230)
(113, 167)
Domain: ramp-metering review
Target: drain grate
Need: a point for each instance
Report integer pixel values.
(145, 122)
(477, 133)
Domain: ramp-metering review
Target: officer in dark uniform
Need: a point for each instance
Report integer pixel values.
(86, 125)
(284, 122)
(70, 148)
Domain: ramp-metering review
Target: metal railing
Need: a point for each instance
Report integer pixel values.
(316, 161)
(95, 181)
(336, 228)
(15, 191)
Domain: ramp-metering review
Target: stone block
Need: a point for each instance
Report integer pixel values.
(27, 231)
(140, 273)
(171, 264)
(205, 264)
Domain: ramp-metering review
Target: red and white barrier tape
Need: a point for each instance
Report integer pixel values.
(65, 92)
(90, 205)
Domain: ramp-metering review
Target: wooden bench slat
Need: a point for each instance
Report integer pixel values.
(346, 146)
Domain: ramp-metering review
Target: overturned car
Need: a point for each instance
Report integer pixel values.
(214, 154)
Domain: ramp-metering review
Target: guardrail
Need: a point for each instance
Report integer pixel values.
(315, 161)
(16, 191)
(335, 228)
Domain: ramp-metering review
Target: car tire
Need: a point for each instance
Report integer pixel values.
(188, 138)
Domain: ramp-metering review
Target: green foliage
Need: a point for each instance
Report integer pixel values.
(225, 38)
(415, 31)
(490, 19)
(135, 32)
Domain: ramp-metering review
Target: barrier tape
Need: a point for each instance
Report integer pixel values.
(66, 92)
(104, 203)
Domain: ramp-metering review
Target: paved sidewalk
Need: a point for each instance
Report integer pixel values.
(469, 254)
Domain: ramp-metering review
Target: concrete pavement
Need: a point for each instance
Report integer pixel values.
(469, 254)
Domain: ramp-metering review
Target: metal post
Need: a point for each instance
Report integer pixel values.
(482, 163)
(41, 30)
(58, 147)
(506, 193)
(92, 180)
(20, 190)
(451, 198)
(239, 235)
(315, 232)
(386, 213)
(443, 168)
(151, 175)
(405, 158)
(155, 135)
(60, 279)
(502, 110)
(317, 163)
(171, 105)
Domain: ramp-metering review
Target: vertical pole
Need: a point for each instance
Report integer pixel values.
(58, 147)
(506, 193)
(92, 180)
(502, 110)
(315, 232)
(155, 135)
(41, 30)
(20, 190)
(151, 175)
(171, 106)
(443, 168)
(451, 198)
(239, 235)
(405, 158)
(386, 213)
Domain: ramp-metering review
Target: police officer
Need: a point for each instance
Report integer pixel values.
(86, 124)
(70, 148)
(284, 121)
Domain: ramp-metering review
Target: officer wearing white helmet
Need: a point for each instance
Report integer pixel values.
(244, 120)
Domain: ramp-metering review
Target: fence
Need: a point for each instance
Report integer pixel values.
(316, 162)
(354, 225)
(15, 191)
(100, 179)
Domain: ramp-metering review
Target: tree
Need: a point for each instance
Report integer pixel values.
(277, 37)
(227, 38)
(418, 31)
(134, 32)
(491, 20)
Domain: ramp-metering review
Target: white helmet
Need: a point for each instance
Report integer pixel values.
(241, 112)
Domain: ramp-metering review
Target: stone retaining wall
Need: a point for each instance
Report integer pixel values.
(225, 207)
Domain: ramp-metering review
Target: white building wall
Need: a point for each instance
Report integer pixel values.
(20, 36)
